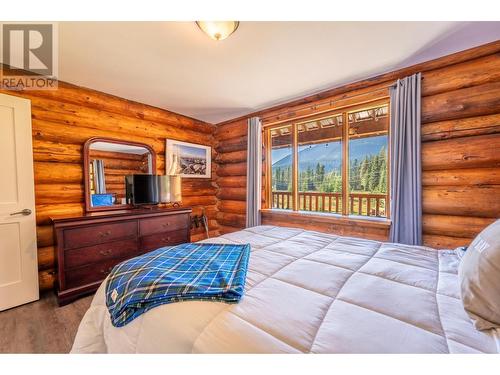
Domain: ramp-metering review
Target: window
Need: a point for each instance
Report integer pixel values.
(320, 164)
(281, 159)
(335, 163)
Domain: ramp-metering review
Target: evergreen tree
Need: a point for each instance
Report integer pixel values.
(353, 174)
(363, 174)
(309, 179)
(322, 173)
(372, 174)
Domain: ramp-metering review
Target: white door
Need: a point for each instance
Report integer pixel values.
(18, 258)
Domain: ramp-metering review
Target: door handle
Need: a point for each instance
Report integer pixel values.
(24, 212)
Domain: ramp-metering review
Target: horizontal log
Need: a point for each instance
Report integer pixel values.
(454, 226)
(129, 165)
(46, 280)
(232, 181)
(444, 242)
(231, 220)
(477, 201)
(198, 183)
(58, 193)
(471, 152)
(113, 187)
(462, 177)
(231, 130)
(199, 200)
(112, 179)
(44, 212)
(466, 74)
(116, 172)
(46, 258)
(231, 145)
(338, 226)
(232, 157)
(237, 169)
(237, 207)
(189, 192)
(315, 218)
(57, 151)
(64, 173)
(465, 127)
(44, 235)
(235, 194)
(472, 101)
(98, 154)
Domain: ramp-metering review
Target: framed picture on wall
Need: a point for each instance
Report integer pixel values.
(188, 159)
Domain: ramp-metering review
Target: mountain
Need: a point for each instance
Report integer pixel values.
(331, 155)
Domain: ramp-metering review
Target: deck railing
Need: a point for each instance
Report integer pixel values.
(365, 204)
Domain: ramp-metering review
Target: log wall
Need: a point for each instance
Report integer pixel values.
(64, 119)
(460, 149)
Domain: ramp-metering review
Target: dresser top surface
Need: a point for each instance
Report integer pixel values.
(121, 214)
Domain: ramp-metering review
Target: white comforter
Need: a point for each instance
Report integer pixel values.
(309, 292)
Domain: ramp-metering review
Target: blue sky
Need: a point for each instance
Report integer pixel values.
(193, 152)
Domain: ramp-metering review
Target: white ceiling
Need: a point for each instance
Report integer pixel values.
(173, 65)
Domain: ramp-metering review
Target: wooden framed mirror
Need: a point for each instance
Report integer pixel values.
(106, 162)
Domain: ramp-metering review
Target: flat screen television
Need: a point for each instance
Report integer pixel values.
(142, 189)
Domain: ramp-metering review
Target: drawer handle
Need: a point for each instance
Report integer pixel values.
(165, 225)
(106, 252)
(104, 234)
(165, 239)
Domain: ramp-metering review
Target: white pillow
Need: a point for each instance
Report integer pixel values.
(479, 275)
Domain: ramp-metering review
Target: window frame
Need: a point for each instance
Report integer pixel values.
(293, 123)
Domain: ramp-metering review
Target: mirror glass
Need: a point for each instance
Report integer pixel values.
(108, 164)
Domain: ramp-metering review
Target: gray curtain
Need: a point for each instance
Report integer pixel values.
(99, 181)
(406, 168)
(254, 171)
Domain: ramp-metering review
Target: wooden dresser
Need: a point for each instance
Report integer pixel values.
(87, 247)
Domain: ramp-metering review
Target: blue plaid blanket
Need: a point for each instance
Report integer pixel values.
(191, 271)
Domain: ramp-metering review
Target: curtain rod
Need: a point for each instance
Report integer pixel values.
(329, 103)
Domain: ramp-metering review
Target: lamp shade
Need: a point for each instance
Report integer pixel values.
(218, 30)
(170, 188)
(175, 189)
(164, 187)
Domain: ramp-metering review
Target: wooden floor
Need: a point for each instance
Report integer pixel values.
(41, 326)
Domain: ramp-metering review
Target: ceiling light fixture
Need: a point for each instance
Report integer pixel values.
(218, 30)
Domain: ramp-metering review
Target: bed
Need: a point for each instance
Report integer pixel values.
(309, 292)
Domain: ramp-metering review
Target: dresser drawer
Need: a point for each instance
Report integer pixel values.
(162, 224)
(156, 241)
(98, 253)
(78, 277)
(97, 234)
